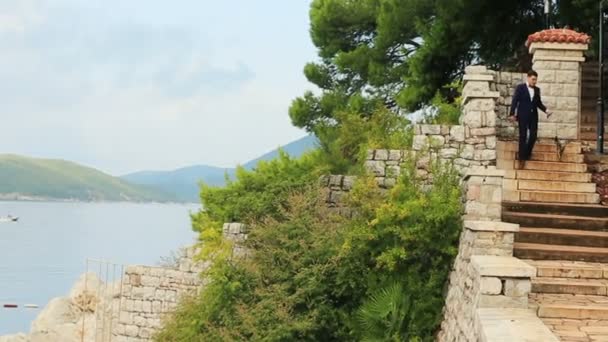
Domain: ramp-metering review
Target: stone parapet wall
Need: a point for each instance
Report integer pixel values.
(149, 293)
(505, 83)
(484, 275)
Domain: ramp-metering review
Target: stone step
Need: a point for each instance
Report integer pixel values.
(544, 156)
(569, 269)
(559, 252)
(595, 287)
(558, 236)
(513, 146)
(556, 186)
(540, 166)
(553, 196)
(548, 175)
(570, 306)
(589, 210)
(556, 221)
(590, 136)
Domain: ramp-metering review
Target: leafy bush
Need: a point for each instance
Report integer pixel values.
(313, 276)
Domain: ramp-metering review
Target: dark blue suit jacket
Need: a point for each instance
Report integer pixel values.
(526, 107)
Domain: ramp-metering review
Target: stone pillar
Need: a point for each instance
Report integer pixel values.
(483, 194)
(557, 57)
(479, 116)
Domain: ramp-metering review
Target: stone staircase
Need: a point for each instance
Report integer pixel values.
(564, 234)
(552, 174)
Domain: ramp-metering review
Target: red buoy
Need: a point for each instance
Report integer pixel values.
(10, 305)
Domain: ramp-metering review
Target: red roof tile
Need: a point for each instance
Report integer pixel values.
(558, 36)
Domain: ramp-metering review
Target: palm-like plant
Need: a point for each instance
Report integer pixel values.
(382, 316)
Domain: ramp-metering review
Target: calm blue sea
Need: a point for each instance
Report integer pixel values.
(42, 255)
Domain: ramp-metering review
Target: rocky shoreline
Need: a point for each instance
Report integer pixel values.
(72, 317)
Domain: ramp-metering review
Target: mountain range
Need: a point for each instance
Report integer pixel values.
(25, 178)
(183, 183)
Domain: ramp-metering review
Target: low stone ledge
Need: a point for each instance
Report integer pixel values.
(512, 325)
(491, 226)
(501, 266)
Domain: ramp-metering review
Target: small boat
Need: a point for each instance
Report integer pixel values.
(9, 218)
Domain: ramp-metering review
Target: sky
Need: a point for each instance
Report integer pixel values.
(133, 85)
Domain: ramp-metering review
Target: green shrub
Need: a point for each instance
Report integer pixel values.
(313, 276)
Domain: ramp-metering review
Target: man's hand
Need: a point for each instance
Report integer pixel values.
(549, 114)
(513, 118)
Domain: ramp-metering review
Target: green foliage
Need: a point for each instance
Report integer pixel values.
(59, 179)
(313, 276)
(402, 52)
(442, 111)
(382, 316)
(411, 239)
(344, 146)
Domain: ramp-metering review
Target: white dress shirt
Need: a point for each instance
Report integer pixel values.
(531, 91)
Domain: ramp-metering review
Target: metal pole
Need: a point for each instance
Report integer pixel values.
(547, 14)
(600, 100)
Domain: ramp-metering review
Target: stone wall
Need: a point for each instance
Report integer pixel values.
(335, 188)
(484, 275)
(505, 83)
(149, 293)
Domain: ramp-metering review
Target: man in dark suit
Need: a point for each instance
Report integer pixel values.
(526, 102)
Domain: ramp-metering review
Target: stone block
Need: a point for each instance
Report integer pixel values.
(490, 118)
(370, 155)
(567, 131)
(497, 266)
(436, 141)
(448, 153)
(567, 76)
(499, 301)
(567, 103)
(132, 330)
(472, 118)
(457, 133)
(430, 129)
(420, 142)
(491, 226)
(334, 181)
(491, 142)
(473, 192)
(517, 287)
(546, 76)
(485, 131)
(542, 66)
(348, 182)
(569, 65)
(375, 167)
(480, 104)
(490, 285)
(476, 69)
(393, 171)
(491, 194)
(394, 155)
(381, 155)
(571, 90)
(476, 86)
(147, 306)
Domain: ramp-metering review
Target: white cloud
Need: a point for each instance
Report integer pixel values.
(136, 85)
(18, 16)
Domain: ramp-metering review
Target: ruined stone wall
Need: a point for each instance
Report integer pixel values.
(149, 293)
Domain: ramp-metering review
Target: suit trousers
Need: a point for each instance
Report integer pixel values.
(528, 129)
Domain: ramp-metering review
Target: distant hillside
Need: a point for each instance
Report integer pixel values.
(31, 178)
(183, 183)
